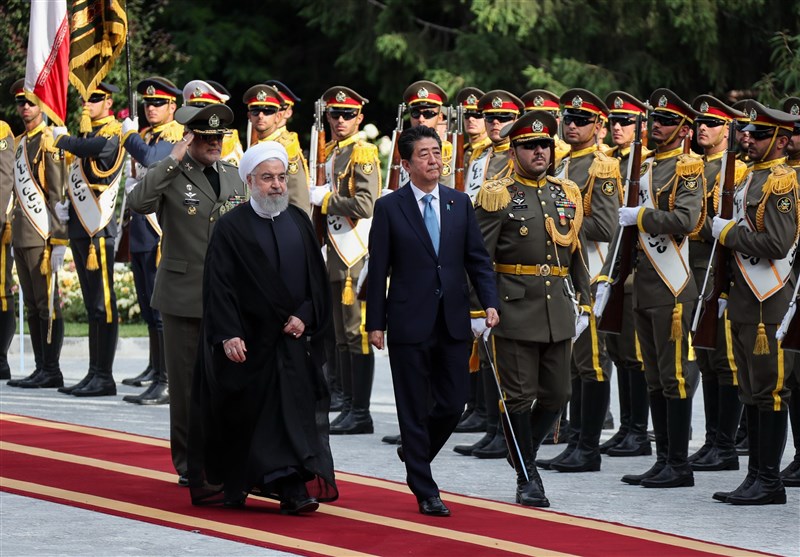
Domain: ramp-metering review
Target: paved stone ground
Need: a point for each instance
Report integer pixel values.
(29, 527)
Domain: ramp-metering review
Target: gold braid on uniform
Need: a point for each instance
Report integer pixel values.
(739, 174)
(494, 195)
(570, 239)
(363, 153)
(689, 167)
(447, 158)
(109, 130)
(172, 132)
(781, 181)
(603, 167)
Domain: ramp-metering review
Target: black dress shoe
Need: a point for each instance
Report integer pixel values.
(300, 505)
(183, 480)
(474, 423)
(16, 382)
(497, 448)
(791, 474)
(79, 385)
(433, 506)
(400, 454)
(156, 393)
(670, 477)
(144, 379)
(466, 450)
(97, 386)
(391, 439)
(44, 380)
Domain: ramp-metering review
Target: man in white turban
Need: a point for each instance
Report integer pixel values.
(261, 425)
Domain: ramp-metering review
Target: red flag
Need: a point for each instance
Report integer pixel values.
(47, 72)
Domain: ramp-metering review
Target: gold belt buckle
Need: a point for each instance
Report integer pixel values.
(517, 269)
(544, 270)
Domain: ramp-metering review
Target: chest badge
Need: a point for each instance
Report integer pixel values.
(523, 230)
(192, 210)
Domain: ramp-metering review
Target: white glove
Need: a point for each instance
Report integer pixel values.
(318, 194)
(57, 257)
(62, 211)
(58, 131)
(130, 125)
(581, 324)
(601, 298)
(128, 169)
(478, 326)
(722, 303)
(130, 183)
(362, 276)
(628, 216)
(717, 225)
(787, 319)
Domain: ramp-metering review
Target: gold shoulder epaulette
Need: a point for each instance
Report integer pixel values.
(364, 152)
(741, 171)
(572, 189)
(114, 127)
(447, 151)
(291, 143)
(5, 129)
(606, 149)
(604, 166)
(646, 153)
(782, 179)
(689, 166)
(494, 195)
(172, 132)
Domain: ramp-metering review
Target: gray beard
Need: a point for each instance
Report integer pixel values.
(271, 205)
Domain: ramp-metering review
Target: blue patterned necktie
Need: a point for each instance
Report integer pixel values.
(431, 223)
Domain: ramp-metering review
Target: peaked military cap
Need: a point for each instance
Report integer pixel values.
(541, 99)
(792, 106)
(666, 101)
(206, 120)
(262, 95)
(498, 100)
(763, 118)
(537, 124)
(343, 97)
(581, 102)
(711, 108)
(624, 105)
(17, 88)
(156, 87)
(287, 95)
(424, 94)
(468, 98)
(199, 92)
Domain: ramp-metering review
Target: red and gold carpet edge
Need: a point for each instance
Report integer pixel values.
(131, 476)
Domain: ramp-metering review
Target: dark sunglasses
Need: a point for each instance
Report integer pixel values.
(710, 123)
(474, 115)
(493, 117)
(23, 102)
(263, 110)
(155, 102)
(533, 145)
(624, 122)
(428, 114)
(96, 98)
(663, 120)
(346, 114)
(579, 121)
(761, 135)
(210, 137)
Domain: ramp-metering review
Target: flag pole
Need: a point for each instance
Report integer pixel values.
(132, 109)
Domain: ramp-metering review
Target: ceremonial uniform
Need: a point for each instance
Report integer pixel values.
(199, 93)
(424, 102)
(353, 172)
(763, 238)
(7, 311)
(532, 231)
(597, 175)
(189, 198)
(150, 146)
(92, 186)
(544, 100)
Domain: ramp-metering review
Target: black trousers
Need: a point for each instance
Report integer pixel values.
(143, 265)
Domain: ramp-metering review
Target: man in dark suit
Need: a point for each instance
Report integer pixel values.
(426, 236)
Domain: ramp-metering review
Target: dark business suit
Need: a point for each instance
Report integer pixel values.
(427, 315)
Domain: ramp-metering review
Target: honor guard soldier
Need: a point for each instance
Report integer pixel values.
(542, 99)
(7, 312)
(478, 149)
(792, 106)
(499, 108)
(150, 146)
(717, 367)
(288, 100)
(742, 137)
(424, 103)
(89, 213)
(38, 238)
(671, 207)
(762, 237)
(631, 438)
(597, 176)
(531, 223)
(200, 93)
(264, 110)
(347, 200)
(190, 189)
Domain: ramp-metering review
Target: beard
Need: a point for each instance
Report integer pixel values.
(270, 204)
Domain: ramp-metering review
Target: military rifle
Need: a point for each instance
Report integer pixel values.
(458, 145)
(624, 244)
(790, 325)
(393, 179)
(706, 314)
(316, 168)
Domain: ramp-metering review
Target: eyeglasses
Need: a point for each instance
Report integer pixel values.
(346, 114)
(622, 121)
(209, 137)
(761, 135)
(155, 102)
(428, 114)
(534, 144)
(23, 102)
(263, 110)
(710, 123)
(268, 178)
(664, 120)
(579, 121)
(473, 115)
(501, 117)
(96, 99)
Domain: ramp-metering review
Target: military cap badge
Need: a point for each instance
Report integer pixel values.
(662, 101)
(341, 97)
(794, 110)
(197, 92)
(538, 100)
(618, 102)
(577, 101)
(537, 126)
(213, 121)
(3, 144)
(261, 96)
(704, 107)
(151, 90)
(472, 99)
(753, 114)
(422, 93)
(497, 102)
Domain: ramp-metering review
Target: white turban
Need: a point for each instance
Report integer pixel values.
(259, 153)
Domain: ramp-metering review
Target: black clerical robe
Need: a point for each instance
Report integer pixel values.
(258, 422)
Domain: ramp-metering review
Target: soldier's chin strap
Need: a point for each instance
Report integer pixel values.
(674, 134)
(771, 144)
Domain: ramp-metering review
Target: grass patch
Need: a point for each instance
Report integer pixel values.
(82, 330)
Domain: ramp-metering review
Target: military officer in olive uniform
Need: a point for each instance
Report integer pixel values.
(717, 367)
(671, 207)
(7, 311)
(531, 224)
(150, 146)
(38, 237)
(542, 99)
(89, 213)
(199, 93)
(791, 106)
(264, 104)
(499, 108)
(346, 201)
(763, 239)
(631, 438)
(597, 175)
(190, 190)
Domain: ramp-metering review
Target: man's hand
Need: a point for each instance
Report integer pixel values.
(62, 211)
(235, 349)
(601, 299)
(294, 327)
(628, 216)
(718, 225)
(478, 326)
(180, 147)
(376, 339)
(318, 194)
(722, 303)
(57, 253)
(492, 318)
(581, 325)
(130, 184)
(58, 131)
(130, 125)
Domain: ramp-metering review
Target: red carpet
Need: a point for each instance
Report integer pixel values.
(131, 476)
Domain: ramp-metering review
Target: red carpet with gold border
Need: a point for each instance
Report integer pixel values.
(131, 476)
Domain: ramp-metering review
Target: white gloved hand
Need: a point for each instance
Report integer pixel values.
(717, 225)
(130, 125)
(130, 183)
(478, 326)
(62, 211)
(58, 131)
(581, 324)
(601, 298)
(780, 334)
(57, 257)
(318, 194)
(362, 276)
(128, 169)
(722, 304)
(628, 216)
